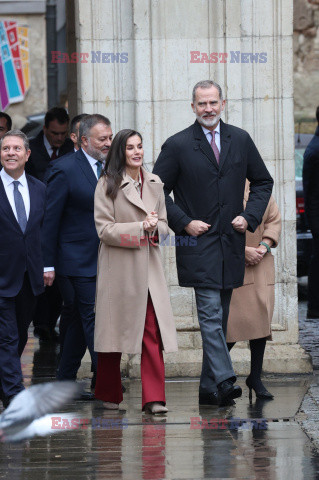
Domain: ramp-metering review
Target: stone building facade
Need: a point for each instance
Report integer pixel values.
(306, 59)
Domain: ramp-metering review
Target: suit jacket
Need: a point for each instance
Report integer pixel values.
(310, 176)
(70, 241)
(204, 190)
(39, 159)
(21, 251)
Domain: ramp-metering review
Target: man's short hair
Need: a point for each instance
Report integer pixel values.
(56, 113)
(317, 114)
(207, 84)
(16, 133)
(76, 120)
(8, 119)
(89, 122)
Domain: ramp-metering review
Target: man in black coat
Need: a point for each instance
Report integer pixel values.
(311, 192)
(22, 201)
(51, 143)
(206, 166)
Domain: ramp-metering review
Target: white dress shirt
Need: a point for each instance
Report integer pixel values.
(92, 161)
(23, 188)
(209, 135)
(48, 147)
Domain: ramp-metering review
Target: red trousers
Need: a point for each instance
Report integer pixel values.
(108, 379)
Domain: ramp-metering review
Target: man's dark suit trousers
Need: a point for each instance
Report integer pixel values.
(15, 317)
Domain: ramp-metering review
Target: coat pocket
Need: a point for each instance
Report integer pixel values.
(249, 276)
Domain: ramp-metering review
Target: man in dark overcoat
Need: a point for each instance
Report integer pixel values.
(206, 166)
(310, 176)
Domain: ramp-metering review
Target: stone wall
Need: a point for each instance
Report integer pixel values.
(306, 58)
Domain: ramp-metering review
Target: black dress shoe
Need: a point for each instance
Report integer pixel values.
(228, 391)
(208, 398)
(88, 396)
(7, 400)
(312, 313)
(212, 399)
(260, 390)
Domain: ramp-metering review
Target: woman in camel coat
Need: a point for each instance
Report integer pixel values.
(252, 305)
(131, 287)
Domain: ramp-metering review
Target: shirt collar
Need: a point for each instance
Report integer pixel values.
(206, 131)
(47, 145)
(7, 179)
(90, 159)
(136, 183)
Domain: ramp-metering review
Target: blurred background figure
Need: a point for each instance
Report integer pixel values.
(310, 176)
(252, 305)
(5, 124)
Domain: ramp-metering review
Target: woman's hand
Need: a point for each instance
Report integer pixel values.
(150, 222)
(252, 256)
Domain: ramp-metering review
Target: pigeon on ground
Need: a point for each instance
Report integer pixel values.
(27, 414)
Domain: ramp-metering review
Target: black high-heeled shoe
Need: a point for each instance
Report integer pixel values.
(260, 393)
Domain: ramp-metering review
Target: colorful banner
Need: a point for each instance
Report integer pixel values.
(14, 63)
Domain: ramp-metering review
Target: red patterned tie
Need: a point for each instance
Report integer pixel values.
(214, 146)
(54, 155)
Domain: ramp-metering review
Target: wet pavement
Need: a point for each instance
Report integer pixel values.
(264, 440)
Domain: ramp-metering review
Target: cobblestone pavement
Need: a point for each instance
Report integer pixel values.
(308, 415)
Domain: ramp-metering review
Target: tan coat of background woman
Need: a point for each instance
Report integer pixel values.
(252, 305)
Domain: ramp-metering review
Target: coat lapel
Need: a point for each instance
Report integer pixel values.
(6, 207)
(151, 192)
(131, 193)
(86, 168)
(225, 143)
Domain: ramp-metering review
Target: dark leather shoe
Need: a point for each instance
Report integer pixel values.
(212, 399)
(311, 313)
(208, 398)
(88, 396)
(228, 391)
(7, 400)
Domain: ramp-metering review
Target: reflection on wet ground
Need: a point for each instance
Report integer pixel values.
(187, 443)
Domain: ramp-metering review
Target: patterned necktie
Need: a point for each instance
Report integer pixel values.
(54, 154)
(99, 168)
(214, 146)
(20, 207)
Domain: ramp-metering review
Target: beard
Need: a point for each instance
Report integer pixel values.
(95, 153)
(208, 123)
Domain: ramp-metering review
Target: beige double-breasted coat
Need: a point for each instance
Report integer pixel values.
(129, 267)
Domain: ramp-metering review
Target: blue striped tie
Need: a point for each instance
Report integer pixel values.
(20, 207)
(99, 168)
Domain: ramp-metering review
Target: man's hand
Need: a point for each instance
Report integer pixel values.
(252, 256)
(48, 278)
(196, 228)
(240, 224)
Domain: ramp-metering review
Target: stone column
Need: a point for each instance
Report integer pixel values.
(152, 93)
